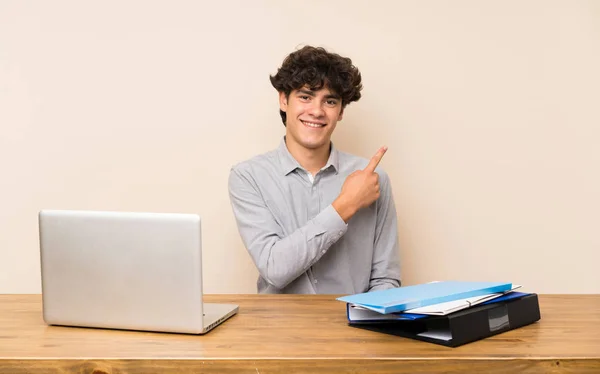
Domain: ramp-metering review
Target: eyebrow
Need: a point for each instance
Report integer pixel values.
(312, 93)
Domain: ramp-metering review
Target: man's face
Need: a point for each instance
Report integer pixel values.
(311, 116)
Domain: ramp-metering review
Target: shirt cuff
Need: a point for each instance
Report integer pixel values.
(330, 221)
(382, 286)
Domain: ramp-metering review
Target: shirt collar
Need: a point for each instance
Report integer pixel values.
(289, 163)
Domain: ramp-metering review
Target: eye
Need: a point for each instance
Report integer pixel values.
(332, 102)
(304, 97)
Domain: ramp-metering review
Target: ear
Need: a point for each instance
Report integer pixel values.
(283, 101)
(341, 115)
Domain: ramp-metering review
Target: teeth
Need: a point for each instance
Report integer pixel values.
(312, 124)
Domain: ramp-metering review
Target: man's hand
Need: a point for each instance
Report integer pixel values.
(360, 189)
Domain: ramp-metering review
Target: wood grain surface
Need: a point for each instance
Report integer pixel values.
(296, 334)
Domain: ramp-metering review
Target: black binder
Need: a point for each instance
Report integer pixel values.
(464, 326)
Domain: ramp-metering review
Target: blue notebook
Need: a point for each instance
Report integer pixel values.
(396, 300)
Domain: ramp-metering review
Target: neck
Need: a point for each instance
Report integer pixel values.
(312, 160)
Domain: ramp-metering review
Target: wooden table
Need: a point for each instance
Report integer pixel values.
(291, 333)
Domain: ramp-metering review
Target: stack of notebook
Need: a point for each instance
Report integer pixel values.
(449, 313)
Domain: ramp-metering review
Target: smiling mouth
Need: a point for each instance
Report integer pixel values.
(314, 125)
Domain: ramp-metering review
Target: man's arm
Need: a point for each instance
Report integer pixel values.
(280, 259)
(385, 272)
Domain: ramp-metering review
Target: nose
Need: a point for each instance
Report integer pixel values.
(315, 109)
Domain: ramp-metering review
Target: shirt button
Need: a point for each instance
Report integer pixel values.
(315, 281)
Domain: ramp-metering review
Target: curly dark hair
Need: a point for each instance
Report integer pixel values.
(315, 67)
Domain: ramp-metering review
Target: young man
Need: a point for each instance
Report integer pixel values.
(314, 219)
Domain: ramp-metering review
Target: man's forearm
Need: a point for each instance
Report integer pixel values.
(279, 259)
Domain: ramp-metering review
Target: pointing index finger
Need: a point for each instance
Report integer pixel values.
(376, 159)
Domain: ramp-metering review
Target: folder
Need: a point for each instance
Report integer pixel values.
(448, 307)
(358, 314)
(400, 299)
(493, 317)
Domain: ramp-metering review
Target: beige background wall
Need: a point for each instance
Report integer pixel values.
(490, 110)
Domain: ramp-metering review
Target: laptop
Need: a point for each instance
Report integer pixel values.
(125, 270)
